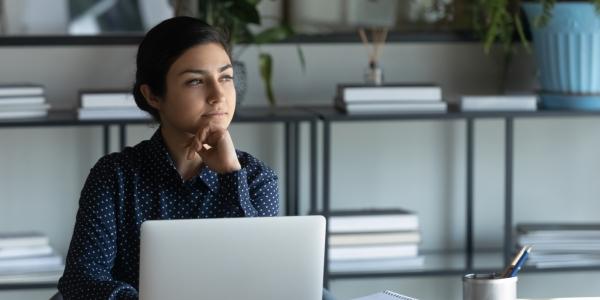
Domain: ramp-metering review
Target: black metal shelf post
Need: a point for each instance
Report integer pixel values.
(508, 193)
(469, 240)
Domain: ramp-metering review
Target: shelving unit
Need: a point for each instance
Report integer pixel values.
(292, 118)
(436, 263)
(442, 263)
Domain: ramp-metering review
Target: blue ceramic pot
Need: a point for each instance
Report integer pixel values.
(567, 52)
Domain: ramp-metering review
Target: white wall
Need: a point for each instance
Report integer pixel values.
(418, 165)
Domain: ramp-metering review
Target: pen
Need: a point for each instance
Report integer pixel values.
(520, 263)
(513, 262)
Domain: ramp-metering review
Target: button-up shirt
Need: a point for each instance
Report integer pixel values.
(141, 183)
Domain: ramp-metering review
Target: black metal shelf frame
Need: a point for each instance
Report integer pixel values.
(329, 116)
(291, 119)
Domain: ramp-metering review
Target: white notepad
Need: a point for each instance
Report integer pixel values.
(386, 295)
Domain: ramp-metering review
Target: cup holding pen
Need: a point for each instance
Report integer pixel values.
(489, 287)
(494, 286)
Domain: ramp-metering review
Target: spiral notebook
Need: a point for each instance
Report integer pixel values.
(385, 295)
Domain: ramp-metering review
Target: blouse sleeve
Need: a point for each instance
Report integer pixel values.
(254, 188)
(93, 247)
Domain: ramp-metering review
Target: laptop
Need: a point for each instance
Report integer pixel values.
(233, 258)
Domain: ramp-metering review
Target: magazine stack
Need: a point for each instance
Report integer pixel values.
(390, 98)
(18, 101)
(561, 245)
(27, 257)
(374, 241)
(109, 105)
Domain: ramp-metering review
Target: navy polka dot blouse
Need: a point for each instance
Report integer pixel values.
(141, 183)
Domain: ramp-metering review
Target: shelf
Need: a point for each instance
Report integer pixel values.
(329, 113)
(294, 114)
(243, 114)
(453, 263)
(34, 281)
(436, 264)
(306, 38)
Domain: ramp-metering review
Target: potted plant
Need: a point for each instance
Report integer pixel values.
(565, 43)
(235, 17)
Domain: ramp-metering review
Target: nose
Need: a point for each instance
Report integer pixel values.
(215, 93)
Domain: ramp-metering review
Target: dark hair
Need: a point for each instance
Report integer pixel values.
(161, 46)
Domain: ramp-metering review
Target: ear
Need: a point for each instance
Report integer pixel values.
(152, 100)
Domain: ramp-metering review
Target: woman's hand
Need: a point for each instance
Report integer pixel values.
(215, 147)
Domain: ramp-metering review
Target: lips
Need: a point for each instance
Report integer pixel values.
(215, 114)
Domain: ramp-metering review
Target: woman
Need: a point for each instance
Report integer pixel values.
(188, 169)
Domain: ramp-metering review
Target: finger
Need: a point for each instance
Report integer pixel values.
(203, 133)
(197, 144)
(215, 136)
(204, 151)
(190, 154)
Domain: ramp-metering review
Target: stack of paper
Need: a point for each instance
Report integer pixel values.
(389, 98)
(498, 103)
(28, 257)
(22, 101)
(376, 240)
(103, 105)
(561, 245)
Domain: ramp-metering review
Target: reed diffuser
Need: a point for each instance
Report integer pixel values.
(374, 73)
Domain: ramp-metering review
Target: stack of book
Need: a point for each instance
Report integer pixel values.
(22, 101)
(390, 98)
(561, 245)
(498, 103)
(102, 105)
(374, 241)
(28, 257)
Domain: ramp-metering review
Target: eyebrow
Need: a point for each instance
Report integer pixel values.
(204, 72)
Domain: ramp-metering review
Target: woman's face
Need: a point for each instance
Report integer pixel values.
(200, 90)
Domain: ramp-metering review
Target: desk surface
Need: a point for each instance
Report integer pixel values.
(575, 298)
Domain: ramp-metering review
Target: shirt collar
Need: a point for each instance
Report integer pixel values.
(166, 162)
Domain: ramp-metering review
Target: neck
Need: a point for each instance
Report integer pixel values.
(176, 142)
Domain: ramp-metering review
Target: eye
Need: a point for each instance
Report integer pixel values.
(226, 78)
(193, 82)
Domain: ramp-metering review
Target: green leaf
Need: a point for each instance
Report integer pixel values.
(245, 12)
(301, 57)
(273, 34)
(265, 63)
(521, 33)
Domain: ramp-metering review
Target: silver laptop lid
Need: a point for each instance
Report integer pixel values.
(233, 258)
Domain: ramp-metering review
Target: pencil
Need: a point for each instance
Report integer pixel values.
(514, 262)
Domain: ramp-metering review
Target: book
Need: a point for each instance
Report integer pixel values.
(392, 107)
(372, 252)
(23, 239)
(17, 252)
(23, 114)
(25, 107)
(558, 230)
(385, 295)
(106, 99)
(392, 92)
(370, 238)
(21, 100)
(21, 90)
(498, 103)
(112, 113)
(32, 278)
(377, 265)
(30, 264)
(373, 221)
